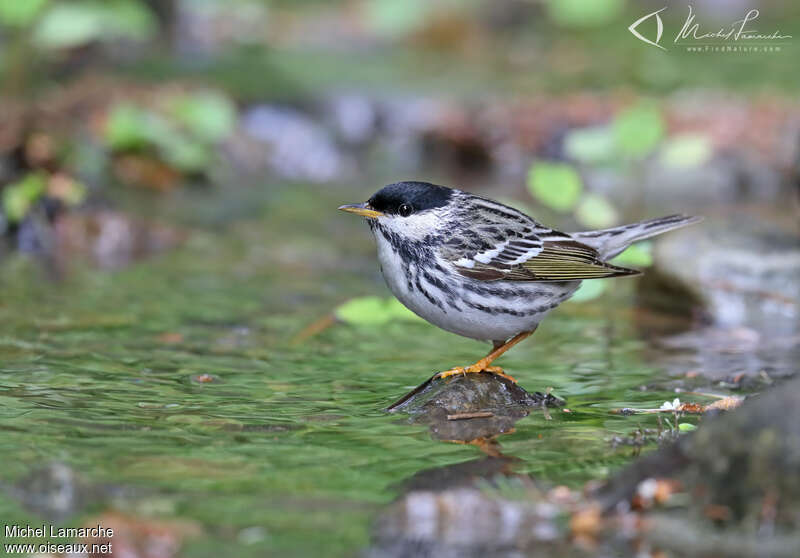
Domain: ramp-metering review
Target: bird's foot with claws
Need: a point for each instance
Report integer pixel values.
(475, 369)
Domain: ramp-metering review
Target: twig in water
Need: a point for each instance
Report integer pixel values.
(463, 416)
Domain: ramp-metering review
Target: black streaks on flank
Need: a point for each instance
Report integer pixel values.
(431, 299)
(438, 283)
(500, 291)
(444, 288)
(494, 310)
(408, 276)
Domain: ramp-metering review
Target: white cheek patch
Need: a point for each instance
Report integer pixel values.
(413, 227)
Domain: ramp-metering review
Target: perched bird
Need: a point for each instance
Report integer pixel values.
(481, 269)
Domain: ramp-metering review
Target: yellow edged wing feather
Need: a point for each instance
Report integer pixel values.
(557, 261)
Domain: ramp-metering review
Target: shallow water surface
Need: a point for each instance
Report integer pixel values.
(174, 390)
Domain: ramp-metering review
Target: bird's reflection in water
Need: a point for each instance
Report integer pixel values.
(473, 409)
(443, 511)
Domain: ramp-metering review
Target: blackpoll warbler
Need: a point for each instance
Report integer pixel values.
(484, 270)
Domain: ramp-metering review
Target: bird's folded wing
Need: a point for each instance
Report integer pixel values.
(526, 260)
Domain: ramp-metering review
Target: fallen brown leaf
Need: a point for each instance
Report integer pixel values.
(724, 404)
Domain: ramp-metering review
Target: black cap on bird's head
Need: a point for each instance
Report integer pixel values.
(403, 199)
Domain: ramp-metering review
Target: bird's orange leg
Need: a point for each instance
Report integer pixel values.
(484, 364)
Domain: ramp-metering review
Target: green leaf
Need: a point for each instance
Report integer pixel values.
(129, 127)
(687, 427)
(373, 310)
(71, 24)
(20, 196)
(126, 128)
(185, 154)
(556, 185)
(67, 25)
(19, 13)
(636, 255)
(596, 212)
(686, 151)
(638, 130)
(589, 290)
(584, 13)
(590, 145)
(208, 115)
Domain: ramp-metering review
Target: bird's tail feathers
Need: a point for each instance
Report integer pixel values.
(610, 242)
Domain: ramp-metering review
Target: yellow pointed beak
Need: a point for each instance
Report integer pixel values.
(361, 209)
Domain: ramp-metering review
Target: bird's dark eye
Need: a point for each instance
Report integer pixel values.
(405, 210)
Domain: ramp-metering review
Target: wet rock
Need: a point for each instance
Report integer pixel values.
(729, 489)
(436, 399)
(746, 273)
(739, 472)
(743, 280)
(738, 357)
(472, 409)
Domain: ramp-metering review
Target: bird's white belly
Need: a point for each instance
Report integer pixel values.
(468, 313)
